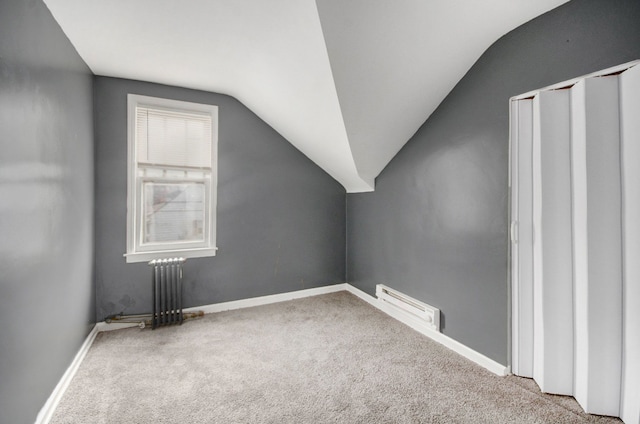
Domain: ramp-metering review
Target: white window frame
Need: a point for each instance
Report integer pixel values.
(137, 251)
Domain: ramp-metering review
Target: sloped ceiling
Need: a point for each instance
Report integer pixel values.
(347, 82)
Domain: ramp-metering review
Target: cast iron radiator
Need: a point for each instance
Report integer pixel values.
(166, 277)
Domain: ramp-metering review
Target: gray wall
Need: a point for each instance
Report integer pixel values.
(436, 226)
(280, 219)
(46, 207)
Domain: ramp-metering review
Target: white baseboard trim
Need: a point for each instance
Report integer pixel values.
(104, 326)
(422, 328)
(45, 414)
(265, 300)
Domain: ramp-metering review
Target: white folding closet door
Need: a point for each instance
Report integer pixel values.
(630, 146)
(522, 235)
(597, 255)
(585, 173)
(552, 247)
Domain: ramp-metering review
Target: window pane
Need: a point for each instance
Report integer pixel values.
(173, 212)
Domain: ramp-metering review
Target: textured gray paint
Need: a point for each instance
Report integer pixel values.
(46, 207)
(436, 226)
(280, 219)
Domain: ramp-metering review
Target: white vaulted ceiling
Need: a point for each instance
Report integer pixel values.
(347, 82)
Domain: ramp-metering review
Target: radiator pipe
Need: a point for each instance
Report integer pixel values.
(144, 320)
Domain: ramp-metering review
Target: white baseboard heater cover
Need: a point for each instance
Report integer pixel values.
(420, 310)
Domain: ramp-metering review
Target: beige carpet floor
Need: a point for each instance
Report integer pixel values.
(325, 359)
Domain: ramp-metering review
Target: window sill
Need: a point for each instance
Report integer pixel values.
(165, 254)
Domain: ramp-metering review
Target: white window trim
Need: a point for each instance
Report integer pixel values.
(133, 191)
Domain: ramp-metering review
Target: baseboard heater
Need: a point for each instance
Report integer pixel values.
(166, 278)
(408, 305)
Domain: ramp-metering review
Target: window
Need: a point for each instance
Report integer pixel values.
(171, 196)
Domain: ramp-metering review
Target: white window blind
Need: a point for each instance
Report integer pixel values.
(172, 138)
